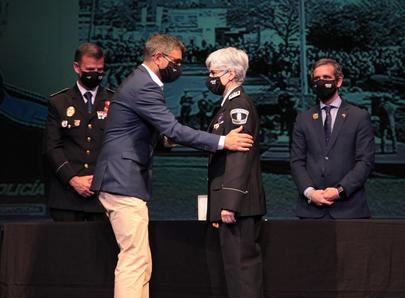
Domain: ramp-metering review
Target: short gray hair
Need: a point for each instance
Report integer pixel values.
(230, 59)
(164, 43)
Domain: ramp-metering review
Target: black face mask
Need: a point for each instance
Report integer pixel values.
(324, 89)
(171, 73)
(91, 79)
(215, 85)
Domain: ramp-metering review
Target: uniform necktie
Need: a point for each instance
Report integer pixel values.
(327, 126)
(88, 96)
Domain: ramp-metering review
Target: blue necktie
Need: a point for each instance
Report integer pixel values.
(327, 126)
(88, 96)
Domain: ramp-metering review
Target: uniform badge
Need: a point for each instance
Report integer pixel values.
(101, 115)
(77, 122)
(70, 111)
(219, 121)
(239, 116)
(344, 115)
(64, 123)
(234, 94)
(315, 116)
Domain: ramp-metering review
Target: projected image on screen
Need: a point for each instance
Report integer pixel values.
(282, 39)
(269, 31)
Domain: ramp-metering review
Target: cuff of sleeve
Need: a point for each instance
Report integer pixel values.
(231, 200)
(65, 172)
(307, 193)
(221, 143)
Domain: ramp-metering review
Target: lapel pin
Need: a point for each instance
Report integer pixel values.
(70, 111)
(106, 106)
(344, 115)
(315, 116)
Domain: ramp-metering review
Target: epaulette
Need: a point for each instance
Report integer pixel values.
(234, 94)
(59, 92)
(110, 90)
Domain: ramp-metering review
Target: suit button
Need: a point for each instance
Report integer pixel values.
(86, 165)
(326, 157)
(88, 152)
(89, 126)
(89, 139)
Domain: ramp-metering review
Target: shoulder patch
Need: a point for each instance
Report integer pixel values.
(239, 116)
(59, 92)
(234, 94)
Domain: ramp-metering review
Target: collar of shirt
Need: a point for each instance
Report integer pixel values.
(333, 112)
(336, 103)
(227, 94)
(84, 90)
(154, 77)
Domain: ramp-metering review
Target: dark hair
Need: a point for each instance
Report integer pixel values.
(163, 43)
(88, 49)
(324, 61)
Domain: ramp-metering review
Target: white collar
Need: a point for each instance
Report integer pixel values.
(154, 77)
(336, 103)
(227, 94)
(84, 90)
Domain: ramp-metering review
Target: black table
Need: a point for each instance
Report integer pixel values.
(348, 259)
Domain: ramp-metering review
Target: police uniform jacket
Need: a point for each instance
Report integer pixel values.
(234, 178)
(74, 138)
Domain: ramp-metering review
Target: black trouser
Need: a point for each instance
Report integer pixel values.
(242, 258)
(72, 215)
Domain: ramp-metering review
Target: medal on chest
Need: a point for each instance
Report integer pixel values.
(219, 121)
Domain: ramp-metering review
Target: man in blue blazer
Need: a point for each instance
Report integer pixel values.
(138, 115)
(332, 153)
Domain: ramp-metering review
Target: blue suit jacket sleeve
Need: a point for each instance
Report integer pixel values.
(151, 106)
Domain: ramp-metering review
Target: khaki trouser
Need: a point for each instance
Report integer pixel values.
(129, 220)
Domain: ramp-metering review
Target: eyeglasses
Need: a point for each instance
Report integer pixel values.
(172, 59)
(216, 72)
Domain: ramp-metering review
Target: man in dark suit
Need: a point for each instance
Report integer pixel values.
(75, 126)
(138, 116)
(332, 152)
(236, 200)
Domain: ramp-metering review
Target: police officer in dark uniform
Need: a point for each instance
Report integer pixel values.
(75, 126)
(236, 200)
(204, 106)
(186, 102)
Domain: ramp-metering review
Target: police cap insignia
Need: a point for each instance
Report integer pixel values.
(239, 116)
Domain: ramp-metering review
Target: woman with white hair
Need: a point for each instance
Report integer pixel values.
(236, 197)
